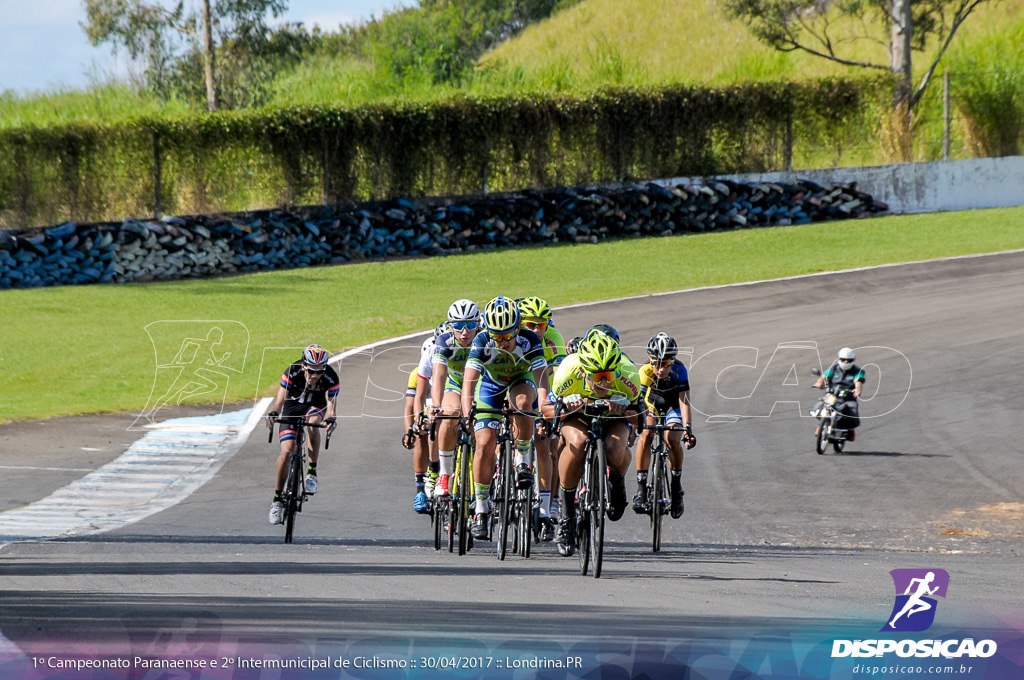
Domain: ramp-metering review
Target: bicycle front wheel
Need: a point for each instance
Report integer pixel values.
(658, 494)
(502, 498)
(599, 498)
(291, 505)
(464, 483)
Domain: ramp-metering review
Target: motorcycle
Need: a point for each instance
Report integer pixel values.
(829, 415)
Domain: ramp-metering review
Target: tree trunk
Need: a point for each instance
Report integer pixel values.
(900, 64)
(208, 65)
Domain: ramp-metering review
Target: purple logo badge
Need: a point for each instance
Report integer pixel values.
(916, 589)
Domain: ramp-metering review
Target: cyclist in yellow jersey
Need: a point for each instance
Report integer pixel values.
(535, 314)
(665, 388)
(595, 371)
(614, 335)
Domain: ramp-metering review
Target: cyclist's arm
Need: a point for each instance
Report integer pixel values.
(439, 380)
(684, 407)
(540, 379)
(469, 380)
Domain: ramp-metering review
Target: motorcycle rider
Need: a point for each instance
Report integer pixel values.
(844, 374)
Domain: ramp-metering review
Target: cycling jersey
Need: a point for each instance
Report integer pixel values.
(554, 346)
(424, 369)
(448, 352)
(570, 378)
(663, 393)
(294, 381)
(507, 368)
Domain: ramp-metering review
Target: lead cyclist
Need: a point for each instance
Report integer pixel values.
(505, 362)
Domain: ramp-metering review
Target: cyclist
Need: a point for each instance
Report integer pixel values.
(845, 374)
(536, 316)
(424, 452)
(614, 335)
(505, 363)
(595, 371)
(449, 364)
(665, 388)
(309, 387)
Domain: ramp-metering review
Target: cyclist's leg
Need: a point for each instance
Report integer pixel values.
(643, 463)
(522, 396)
(615, 438)
(447, 438)
(570, 468)
(675, 455)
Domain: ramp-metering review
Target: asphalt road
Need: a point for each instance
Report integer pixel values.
(777, 543)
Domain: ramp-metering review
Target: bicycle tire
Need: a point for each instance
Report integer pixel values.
(437, 517)
(583, 537)
(524, 503)
(462, 499)
(657, 492)
(597, 514)
(502, 498)
(291, 506)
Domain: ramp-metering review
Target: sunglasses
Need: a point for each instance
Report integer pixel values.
(502, 337)
(662, 364)
(534, 323)
(314, 371)
(603, 377)
(464, 325)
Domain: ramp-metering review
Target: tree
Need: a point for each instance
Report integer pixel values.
(809, 26)
(163, 37)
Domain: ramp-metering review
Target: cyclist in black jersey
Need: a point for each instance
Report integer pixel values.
(665, 386)
(309, 388)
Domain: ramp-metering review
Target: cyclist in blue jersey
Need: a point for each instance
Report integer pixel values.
(505, 363)
(451, 351)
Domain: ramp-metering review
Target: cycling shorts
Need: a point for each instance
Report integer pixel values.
(293, 409)
(492, 395)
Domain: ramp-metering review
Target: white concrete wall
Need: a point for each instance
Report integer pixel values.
(926, 187)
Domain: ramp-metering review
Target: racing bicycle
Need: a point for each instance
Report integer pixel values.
(659, 497)
(294, 493)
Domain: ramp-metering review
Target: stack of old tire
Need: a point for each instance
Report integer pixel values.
(207, 245)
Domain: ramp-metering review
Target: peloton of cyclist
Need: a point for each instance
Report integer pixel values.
(536, 316)
(506, 362)
(451, 352)
(424, 451)
(595, 371)
(309, 388)
(665, 388)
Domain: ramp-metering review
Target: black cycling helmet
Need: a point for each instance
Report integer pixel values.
(662, 347)
(573, 345)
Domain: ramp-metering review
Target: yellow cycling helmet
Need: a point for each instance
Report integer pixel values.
(598, 352)
(534, 308)
(501, 315)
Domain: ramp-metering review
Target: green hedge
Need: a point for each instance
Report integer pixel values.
(241, 161)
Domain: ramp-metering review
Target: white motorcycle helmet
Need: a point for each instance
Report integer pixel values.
(845, 358)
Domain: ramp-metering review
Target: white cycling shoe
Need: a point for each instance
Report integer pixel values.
(311, 485)
(276, 513)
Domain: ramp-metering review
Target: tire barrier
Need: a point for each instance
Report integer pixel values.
(207, 245)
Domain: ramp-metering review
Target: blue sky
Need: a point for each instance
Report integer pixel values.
(43, 48)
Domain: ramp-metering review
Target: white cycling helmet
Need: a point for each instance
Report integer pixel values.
(846, 357)
(464, 310)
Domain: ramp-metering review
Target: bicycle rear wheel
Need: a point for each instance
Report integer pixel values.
(658, 493)
(583, 536)
(292, 491)
(599, 481)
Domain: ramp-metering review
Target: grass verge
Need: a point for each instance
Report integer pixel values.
(95, 349)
